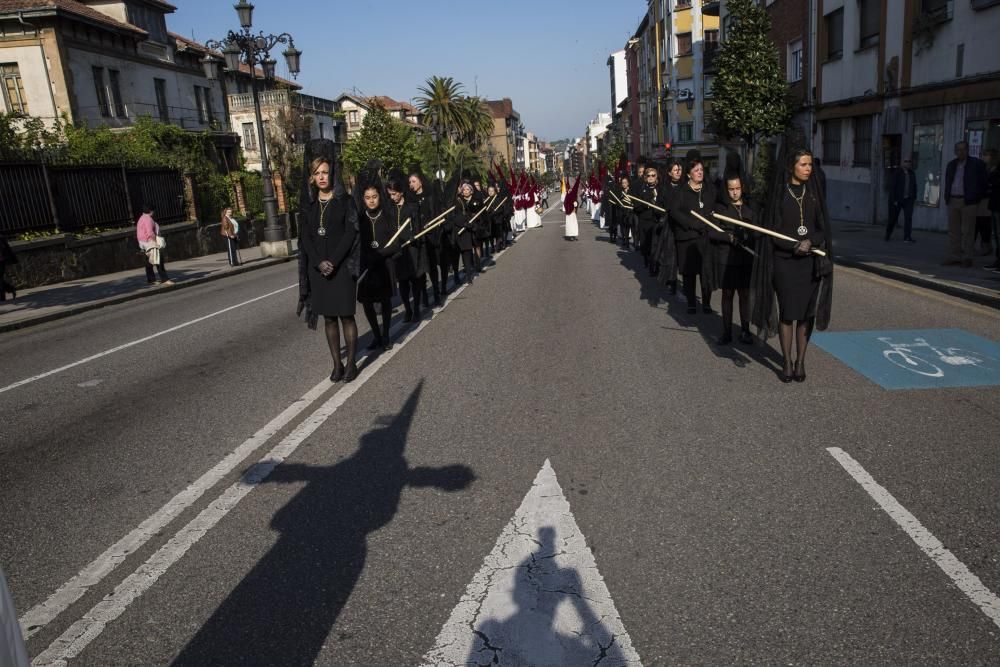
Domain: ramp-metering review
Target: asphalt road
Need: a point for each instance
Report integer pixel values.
(725, 530)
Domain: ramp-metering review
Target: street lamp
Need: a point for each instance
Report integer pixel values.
(241, 47)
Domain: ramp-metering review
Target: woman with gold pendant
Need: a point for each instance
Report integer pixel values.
(409, 261)
(376, 285)
(691, 234)
(798, 211)
(329, 242)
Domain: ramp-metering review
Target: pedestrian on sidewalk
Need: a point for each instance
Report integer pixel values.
(147, 232)
(992, 159)
(964, 188)
(902, 195)
(7, 256)
(230, 229)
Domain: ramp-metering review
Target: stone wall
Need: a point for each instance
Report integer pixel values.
(65, 257)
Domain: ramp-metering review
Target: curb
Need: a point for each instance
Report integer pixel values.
(69, 311)
(983, 298)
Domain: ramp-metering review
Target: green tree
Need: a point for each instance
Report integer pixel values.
(441, 103)
(381, 138)
(477, 122)
(749, 92)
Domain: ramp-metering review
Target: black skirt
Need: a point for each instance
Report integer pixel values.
(689, 257)
(796, 286)
(378, 284)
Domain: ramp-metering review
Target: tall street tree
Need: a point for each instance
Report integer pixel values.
(381, 138)
(440, 100)
(750, 94)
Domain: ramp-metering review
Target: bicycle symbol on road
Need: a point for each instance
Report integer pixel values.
(905, 356)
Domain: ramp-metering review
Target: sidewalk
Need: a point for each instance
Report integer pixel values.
(861, 246)
(53, 302)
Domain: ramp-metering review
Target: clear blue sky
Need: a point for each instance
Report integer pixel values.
(549, 57)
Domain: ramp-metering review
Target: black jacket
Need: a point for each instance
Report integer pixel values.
(974, 181)
(686, 226)
(897, 185)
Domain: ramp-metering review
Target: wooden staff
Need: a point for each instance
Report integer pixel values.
(710, 224)
(620, 203)
(649, 204)
(485, 206)
(398, 232)
(764, 230)
(432, 224)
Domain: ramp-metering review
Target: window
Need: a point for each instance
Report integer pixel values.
(928, 142)
(683, 4)
(834, 34)
(869, 22)
(939, 9)
(685, 132)
(13, 88)
(708, 83)
(101, 91)
(199, 103)
(831, 142)
(161, 99)
(863, 141)
(249, 139)
(711, 39)
(322, 133)
(209, 109)
(794, 65)
(959, 60)
(150, 20)
(683, 43)
(114, 78)
(352, 117)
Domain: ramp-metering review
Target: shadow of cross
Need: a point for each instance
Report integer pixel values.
(282, 611)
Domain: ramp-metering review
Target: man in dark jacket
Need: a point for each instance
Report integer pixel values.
(964, 187)
(902, 194)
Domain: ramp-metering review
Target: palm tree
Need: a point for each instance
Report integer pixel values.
(440, 101)
(477, 121)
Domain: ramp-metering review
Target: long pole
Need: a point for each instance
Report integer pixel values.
(764, 230)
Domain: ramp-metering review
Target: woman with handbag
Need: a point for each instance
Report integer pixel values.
(230, 230)
(147, 232)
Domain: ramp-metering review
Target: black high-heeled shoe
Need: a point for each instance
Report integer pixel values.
(337, 375)
(800, 372)
(787, 374)
(375, 344)
(351, 374)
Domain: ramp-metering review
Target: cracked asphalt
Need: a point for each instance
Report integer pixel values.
(723, 529)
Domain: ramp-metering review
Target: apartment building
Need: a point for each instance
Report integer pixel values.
(508, 134)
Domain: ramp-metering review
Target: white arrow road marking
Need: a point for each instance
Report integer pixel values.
(538, 599)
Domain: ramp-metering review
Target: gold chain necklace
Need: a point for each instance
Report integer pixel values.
(372, 220)
(323, 204)
(800, 201)
(701, 204)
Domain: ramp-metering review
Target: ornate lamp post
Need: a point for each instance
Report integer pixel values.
(255, 51)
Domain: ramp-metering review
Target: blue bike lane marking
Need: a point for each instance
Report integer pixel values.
(916, 358)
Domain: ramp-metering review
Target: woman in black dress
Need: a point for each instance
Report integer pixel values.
(624, 213)
(667, 251)
(410, 262)
(798, 274)
(421, 194)
(691, 234)
(467, 205)
(329, 240)
(733, 259)
(377, 282)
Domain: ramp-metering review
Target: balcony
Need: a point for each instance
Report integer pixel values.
(710, 7)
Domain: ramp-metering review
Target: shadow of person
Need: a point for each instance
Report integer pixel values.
(553, 623)
(283, 610)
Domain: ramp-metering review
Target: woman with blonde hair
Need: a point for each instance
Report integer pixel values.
(329, 239)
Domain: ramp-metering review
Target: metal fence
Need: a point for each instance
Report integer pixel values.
(70, 198)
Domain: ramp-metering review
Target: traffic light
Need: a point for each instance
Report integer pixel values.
(668, 146)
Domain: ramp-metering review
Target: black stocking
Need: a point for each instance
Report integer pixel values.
(372, 318)
(333, 341)
(404, 295)
(785, 337)
(803, 331)
(744, 309)
(727, 311)
(351, 338)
